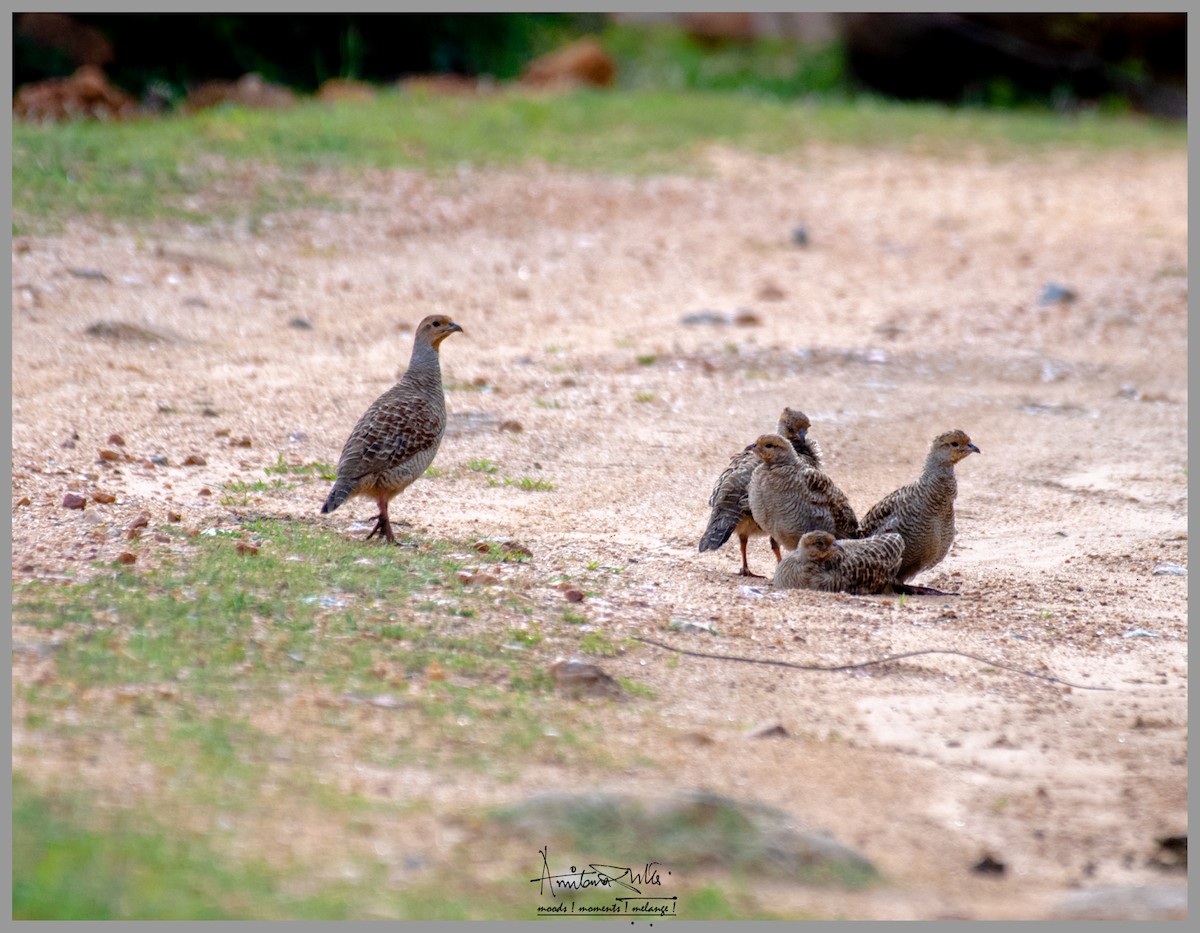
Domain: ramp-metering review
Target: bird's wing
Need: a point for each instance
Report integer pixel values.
(396, 427)
(730, 500)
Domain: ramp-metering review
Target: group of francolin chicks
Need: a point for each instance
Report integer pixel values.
(775, 487)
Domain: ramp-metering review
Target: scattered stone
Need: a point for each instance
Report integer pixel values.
(92, 275)
(127, 557)
(174, 517)
(1171, 854)
(745, 317)
(195, 460)
(69, 443)
(582, 677)
(691, 627)
(704, 317)
(73, 501)
(1129, 902)
(247, 547)
(204, 491)
(22, 502)
(241, 442)
(800, 235)
(510, 550)
(300, 323)
(158, 460)
(141, 521)
(699, 739)
(209, 412)
(104, 498)
(581, 63)
(695, 830)
(123, 330)
(221, 432)
(1170, 570)
(574, 595)
(989, 866)
(474, 579)
(1140, 633)
(194, 301)
(512, 425)
(133, 534)
(162, 539)
(768, 730)
(1053, 293)
(116, 440)
(110, 455)
(769, 291)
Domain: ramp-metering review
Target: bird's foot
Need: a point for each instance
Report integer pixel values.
(912, 589)
(747, 572)
(383, 528)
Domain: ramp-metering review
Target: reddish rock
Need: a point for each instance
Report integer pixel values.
(104, 498)
(195, 460)
(109, 455)
(338, 90)
(250, 90)
(126, 557)
(581, 63)
(84, 95)
(116, 440)
(73, 501)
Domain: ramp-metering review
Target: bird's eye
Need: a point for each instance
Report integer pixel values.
(954, 443)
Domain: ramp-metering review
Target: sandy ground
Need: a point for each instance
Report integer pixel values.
(913, 309)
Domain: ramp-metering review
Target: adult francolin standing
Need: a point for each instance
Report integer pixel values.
(922, 513)
(788, 498)
(730, 499)
(396, 439)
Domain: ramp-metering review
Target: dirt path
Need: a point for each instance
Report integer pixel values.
(914, 309)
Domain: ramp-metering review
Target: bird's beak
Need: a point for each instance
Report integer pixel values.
(973, 447)
(454, 327)
(749, 447)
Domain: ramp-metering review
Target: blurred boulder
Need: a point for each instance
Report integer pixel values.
(581, 63)
(250, 90)
(337, 90)
(85, 95)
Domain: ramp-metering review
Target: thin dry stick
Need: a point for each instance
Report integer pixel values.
(849, 667)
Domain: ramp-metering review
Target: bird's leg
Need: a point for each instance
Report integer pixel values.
(383, 527)
(775, 548)
(912, 589)
(746, 571)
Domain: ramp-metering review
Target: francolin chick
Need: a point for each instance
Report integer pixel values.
(788, 498)
(730, 499)
(397, 438)
(922, 513)
(821, 562)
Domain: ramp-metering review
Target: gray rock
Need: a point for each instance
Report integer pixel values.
(1148, 902)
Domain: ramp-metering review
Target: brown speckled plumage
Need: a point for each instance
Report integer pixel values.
(788, 498)
(821, 562)
(396, 439)
(730, 499)
(922, 513)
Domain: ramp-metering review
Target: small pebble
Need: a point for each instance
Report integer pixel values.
(195, 460)
(511, 425)
(109, 455)
(800, 235)
(73, 501)
(574, 595)
(745, 317)
(245, 547)
(1053, 293)
(116, 440)
(127, 557)
(104, 498)
(704, 317)
(141, 521)
(300, 323)
(158, 460)
(241, 442)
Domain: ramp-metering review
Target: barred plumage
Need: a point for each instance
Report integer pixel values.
(922, 512)
(821, 562)
(730, 498)
(788, 498)
(396, 439)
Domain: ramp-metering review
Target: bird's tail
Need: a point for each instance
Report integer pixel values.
(720, 527)
(337, 495)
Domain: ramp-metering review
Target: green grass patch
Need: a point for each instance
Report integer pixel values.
(238, 164)
(526, 483)
(482, 466)
(315, 469)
